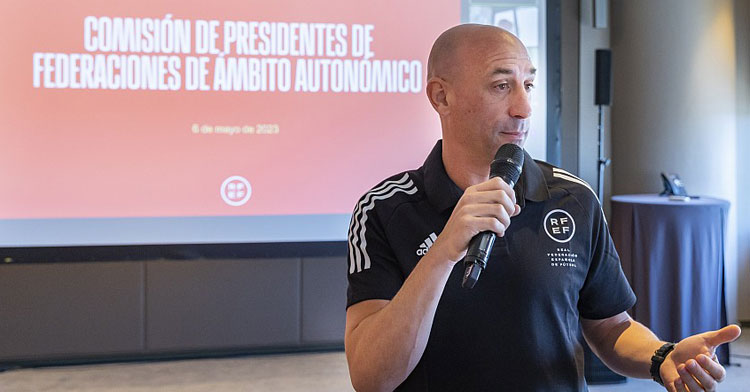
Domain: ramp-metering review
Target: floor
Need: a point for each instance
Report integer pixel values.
(279, 373)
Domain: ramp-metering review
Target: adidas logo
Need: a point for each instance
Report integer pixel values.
(426, 244)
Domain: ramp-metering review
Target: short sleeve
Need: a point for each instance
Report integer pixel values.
(373, 267)
(605, 292)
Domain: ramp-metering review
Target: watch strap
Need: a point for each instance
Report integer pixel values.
(657, 359)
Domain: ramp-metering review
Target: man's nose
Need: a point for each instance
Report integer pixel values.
(520, 107)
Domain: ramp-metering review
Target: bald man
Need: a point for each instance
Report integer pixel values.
(553, 275)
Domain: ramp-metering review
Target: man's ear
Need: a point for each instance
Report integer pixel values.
(437, 93)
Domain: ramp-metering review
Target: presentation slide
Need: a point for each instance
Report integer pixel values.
(166, 122)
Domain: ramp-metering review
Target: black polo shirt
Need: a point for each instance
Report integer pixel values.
(518, 329)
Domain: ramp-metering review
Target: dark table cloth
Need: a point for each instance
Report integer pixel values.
(673, 255)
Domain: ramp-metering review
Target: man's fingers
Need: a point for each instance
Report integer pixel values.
(489, 185)
(712, 367)
(495, 211)
(687, 378)
(489, 196)
(492, 197)
(494, 184)
(493, 225)
(724, 335)
(707, 381)
(679, 386)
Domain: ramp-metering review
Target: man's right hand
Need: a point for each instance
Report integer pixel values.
(386, 339)
(487, 206)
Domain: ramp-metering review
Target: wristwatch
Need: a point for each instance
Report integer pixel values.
(656, 360)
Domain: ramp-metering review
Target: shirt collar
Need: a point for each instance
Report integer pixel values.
(532, 185)
(443, 193)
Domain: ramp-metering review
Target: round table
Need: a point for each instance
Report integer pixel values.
(672, 253)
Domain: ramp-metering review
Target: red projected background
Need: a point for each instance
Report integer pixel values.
(164, 108)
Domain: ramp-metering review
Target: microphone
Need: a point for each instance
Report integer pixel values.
(507, 165)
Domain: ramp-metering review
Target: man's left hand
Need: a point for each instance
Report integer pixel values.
(692, 365)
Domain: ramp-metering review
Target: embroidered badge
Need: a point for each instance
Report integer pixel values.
(559, 226)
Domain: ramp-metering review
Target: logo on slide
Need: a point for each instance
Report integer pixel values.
(236, 190)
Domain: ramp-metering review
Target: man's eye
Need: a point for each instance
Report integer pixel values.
(502, 86)
(530, 86)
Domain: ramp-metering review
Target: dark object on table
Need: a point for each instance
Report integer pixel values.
(672, 185)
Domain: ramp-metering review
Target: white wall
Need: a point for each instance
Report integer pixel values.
(742, 16)
(675, 104)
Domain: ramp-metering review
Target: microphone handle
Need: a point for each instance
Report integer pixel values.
(476, 257)
(478, 253)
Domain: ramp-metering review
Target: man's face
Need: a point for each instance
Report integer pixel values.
(491, 94)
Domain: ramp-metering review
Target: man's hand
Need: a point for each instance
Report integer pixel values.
(487, 206)
(692, 365)
(386, 339)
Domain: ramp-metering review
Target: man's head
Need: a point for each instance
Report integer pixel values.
(478, 80)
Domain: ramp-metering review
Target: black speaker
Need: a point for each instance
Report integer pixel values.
(603, 92)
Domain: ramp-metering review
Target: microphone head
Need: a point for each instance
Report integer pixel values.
(508, 163)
